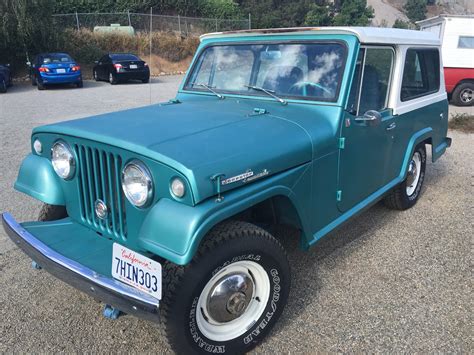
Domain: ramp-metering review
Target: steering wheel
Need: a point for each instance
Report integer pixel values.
(305, 84)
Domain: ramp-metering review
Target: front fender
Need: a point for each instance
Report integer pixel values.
(174, 231)
(38, 179)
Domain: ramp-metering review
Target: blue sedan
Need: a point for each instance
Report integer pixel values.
(54, 68)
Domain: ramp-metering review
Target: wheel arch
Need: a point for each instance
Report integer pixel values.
(175, 231)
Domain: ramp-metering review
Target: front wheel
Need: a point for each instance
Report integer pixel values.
(407, 193)
(230, 296)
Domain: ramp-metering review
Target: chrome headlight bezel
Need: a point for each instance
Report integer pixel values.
(70, 159)
(147, 179)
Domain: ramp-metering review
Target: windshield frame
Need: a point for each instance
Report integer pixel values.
(188, 88)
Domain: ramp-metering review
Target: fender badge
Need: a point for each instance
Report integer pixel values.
(236, 178)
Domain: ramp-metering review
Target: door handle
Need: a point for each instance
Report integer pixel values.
(391, 126)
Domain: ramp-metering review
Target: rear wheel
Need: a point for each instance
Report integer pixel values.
(407, 193)
(112, 79)
(52, 213)
(463, 94)
(94, 74)
(231, 294)
(40, 85)
(144, 81)
(80, 84)
(3, 85)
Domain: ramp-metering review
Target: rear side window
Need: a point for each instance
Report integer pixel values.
(466, 42)
(420, 73)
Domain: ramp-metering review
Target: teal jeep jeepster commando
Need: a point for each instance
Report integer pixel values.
(168, 210)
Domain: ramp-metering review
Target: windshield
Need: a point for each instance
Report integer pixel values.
(124, 57)
(302, 71)
(56, 58)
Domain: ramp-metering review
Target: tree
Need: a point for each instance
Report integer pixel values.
(318, 16)
(401, 24)
(221, 9)
(415, 10)
(354, 13)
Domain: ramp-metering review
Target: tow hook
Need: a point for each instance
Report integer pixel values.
(35, 265)
(111, 312)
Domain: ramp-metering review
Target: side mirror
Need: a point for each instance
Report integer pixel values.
(371, 118)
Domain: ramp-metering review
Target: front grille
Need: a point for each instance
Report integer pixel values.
(99, 178)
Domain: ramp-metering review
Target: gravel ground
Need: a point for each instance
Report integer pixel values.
(386, 282)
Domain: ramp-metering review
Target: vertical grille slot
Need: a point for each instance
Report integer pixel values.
(99, 178)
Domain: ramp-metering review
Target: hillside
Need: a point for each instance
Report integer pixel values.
(387, 11)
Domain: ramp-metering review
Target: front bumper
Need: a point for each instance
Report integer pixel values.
(105, 289)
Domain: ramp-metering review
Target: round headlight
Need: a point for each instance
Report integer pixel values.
(177, 188)
(63, 160)
(137, 184)
(37, 146)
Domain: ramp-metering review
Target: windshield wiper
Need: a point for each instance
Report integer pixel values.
(268, 92)
(208, 87)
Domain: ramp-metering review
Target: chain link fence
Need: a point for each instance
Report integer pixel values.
(182, 25)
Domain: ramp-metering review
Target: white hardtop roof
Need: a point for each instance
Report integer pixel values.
(369, 35)
(440, 18)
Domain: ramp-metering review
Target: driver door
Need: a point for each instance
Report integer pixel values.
(368, 129)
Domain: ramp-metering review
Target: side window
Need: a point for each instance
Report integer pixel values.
(420, 73)
(466, 42)
(370, 87)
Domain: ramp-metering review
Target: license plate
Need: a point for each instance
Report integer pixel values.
(136, 270)
(133, 66)
(60, 71)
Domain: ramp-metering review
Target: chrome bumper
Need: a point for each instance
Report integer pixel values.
(110, 291)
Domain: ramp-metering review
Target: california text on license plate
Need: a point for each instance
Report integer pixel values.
(136, 270)
(60, 71)
(133, 66)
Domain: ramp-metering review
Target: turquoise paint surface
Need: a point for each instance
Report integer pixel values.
(199, 136)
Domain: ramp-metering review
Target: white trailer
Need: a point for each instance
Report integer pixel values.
(456, 33)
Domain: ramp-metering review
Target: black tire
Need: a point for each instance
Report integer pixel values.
(228, 243)
(145, 81)
(3, 85)
(80, 84)
(463, 94)
(399, 199)
(94, 74)
(112, 78)
(40, 85)
(52, 213)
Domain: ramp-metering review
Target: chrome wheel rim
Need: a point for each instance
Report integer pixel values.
(414, 172)
(233, 300)
(95, 75)
(111, 78)
(466, 95)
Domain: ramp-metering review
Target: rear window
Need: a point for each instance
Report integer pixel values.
(124, 57)
(420, 73)
(56, 58)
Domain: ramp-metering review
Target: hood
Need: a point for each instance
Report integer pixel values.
(201, 138)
